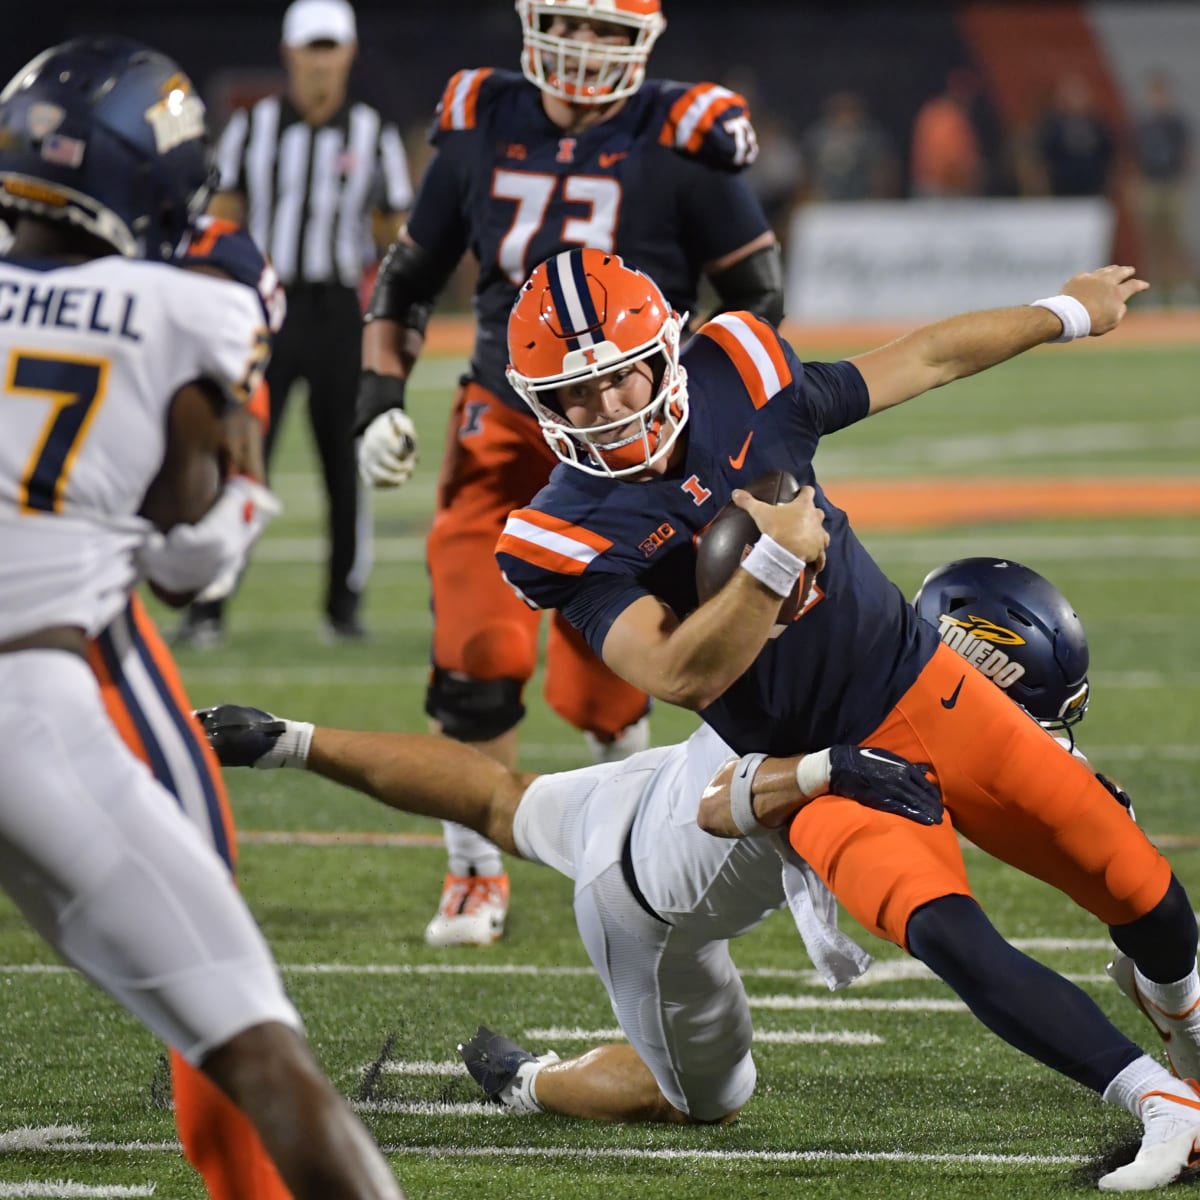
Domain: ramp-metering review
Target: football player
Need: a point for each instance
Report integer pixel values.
(146, 701)
(579, 149)
(656, 898)
(654, 441)
(118, 366)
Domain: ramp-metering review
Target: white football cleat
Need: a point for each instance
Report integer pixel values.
(1170, 1144)
(1180, 1032)
(631, 740)
(471, 912)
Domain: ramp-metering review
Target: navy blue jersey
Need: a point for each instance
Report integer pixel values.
(591, 546)
(658, 183)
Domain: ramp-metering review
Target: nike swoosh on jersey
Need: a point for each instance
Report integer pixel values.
(611, 160)
(951, 700)
(736, 463)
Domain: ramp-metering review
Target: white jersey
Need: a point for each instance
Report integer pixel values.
(92, 356)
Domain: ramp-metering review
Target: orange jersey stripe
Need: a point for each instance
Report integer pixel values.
(460, 99)
(678, 110)
(557, 525)
(259, 406)
(758, 334)
(706, 122)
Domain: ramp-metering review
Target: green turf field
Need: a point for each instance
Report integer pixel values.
(859, 1095)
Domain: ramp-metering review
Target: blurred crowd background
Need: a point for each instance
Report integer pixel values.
(1063, 132)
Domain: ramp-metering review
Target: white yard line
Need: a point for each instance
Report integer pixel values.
(64, 1188)
(612, 1152)
(771, 1037)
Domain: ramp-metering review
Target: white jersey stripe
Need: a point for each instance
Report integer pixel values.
(559, 543)
(294, 147)
(752, 344)
(361, 141)
(229, 152)
(695, 113)
(458, 106)
(317, 248)
(260, 171)
(397, 181)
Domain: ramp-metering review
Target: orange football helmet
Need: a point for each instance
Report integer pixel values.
(583, 72)
(584, 314)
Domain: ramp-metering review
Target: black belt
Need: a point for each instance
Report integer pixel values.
(631, 879)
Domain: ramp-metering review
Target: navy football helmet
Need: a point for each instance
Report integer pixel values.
(1017, 628)
(107, 135)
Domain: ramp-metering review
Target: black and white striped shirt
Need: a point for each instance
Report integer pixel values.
(310, 191)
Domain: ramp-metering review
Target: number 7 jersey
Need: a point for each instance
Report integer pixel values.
(91, 357)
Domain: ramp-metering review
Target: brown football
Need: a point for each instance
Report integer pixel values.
(731, 534)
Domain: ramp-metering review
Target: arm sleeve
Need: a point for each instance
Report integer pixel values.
(231, 154)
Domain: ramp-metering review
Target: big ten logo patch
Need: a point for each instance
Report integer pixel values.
(657, 539)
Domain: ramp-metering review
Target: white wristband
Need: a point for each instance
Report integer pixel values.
(773, 566)
(1076, 321)
(291, 747)
(812, 774)
(741, 795)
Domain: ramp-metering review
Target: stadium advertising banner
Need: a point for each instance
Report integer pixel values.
(923, 259)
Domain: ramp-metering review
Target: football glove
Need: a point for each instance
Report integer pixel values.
(251, 737)
(208, 556)
(387, 452)
(885, 781)
(1118, 793)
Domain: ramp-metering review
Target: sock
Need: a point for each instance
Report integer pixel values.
(1131, 1083)
(219, 1140)
(470, 851)
(1177, 999)
(520, 1094)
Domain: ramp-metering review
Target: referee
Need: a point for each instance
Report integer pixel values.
(317, 180)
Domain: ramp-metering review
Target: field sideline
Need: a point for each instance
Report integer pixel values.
(1081, 461)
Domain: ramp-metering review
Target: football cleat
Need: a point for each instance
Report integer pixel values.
(504, 1070)
(240, 735)
(1170, 1144)
(471, 912)
(1180, 1032)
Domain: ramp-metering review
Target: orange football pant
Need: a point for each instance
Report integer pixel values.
(1008, 787)
(218, 1139)
(495, 461)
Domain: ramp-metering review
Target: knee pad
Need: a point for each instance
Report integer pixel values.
(473, 710)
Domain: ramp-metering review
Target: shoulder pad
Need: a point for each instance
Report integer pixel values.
(467, 94)
(756, 351)
(708, 122)
(224, 246)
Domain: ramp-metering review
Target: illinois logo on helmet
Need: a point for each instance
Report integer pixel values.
(597, 71)
(1017, 628)
(584, 314)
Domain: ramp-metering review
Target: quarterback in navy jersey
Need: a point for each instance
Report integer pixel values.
(652, 442)
(578, 149)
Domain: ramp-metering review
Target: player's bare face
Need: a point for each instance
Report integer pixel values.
(606, 399)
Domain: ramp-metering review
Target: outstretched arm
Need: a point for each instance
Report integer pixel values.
(960, 346)
(416, 773)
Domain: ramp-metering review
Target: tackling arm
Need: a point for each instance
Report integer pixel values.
(756, 794)
(750, 280)
(964, 345)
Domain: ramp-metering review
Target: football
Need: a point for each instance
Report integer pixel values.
(731, 534)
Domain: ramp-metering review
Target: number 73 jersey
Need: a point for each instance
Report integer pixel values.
(91, 356)
(659, 183)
